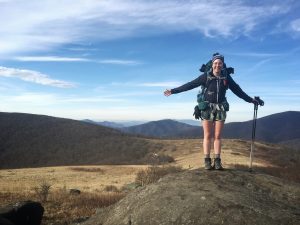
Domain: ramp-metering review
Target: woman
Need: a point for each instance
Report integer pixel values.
(216, 81)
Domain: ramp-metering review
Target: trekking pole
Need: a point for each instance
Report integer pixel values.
(261, 103)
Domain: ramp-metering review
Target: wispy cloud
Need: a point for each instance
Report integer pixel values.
(49, 59)
(92, 99)
(42, 26)
(32, 98)
(259, 64)
(149, 84)
(82, 49)
(119, 62)
(295, 25)
(7, 86)
(255, 54)
(35, 77)
(51, 99)
(74, 59)
(160, 84)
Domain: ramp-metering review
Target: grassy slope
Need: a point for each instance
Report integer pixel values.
(28, 140)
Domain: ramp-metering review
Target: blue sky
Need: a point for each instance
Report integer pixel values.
(112, 59)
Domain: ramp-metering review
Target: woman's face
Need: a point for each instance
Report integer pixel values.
(217, 66)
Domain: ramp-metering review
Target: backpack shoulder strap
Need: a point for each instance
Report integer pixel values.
(225, 78)
(209, 78)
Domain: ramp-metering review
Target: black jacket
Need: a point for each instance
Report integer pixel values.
(216, 88)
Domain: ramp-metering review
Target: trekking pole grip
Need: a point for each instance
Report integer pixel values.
(260, 102)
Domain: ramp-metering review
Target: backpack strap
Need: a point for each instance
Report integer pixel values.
(201, 94)
(224, 77)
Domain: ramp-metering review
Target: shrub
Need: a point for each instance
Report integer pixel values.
(158, 159)
(42, 191)
(154, 173)
(111, 188)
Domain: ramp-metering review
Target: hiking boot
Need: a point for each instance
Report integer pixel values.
(218, 164)
(207, 164)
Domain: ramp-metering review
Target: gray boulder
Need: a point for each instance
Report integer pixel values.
(207, 197)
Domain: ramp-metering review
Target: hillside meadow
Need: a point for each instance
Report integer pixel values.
(103, 185)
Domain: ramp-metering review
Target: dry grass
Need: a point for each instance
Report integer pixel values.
(25, 180)
(281, 162)
(290, 173)
(98, 186)
(64, 208)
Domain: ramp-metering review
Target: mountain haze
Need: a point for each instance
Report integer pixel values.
(105, 123)
(124, 124)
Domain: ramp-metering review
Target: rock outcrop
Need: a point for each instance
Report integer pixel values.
(207, 197)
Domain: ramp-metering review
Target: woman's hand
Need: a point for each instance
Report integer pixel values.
(257, 101)
(167, 92)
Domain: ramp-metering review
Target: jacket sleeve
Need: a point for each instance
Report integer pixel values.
(235, 88)
(190, 85)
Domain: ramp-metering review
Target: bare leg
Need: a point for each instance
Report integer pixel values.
(218, 133)
(207, 129)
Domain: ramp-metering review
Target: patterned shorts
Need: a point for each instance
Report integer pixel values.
(213, 115)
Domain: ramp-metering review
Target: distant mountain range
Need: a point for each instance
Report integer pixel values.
(275, 128)
(106, 123)
(123, 124)
(161, 128)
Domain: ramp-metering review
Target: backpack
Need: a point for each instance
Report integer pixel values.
(207, 68)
